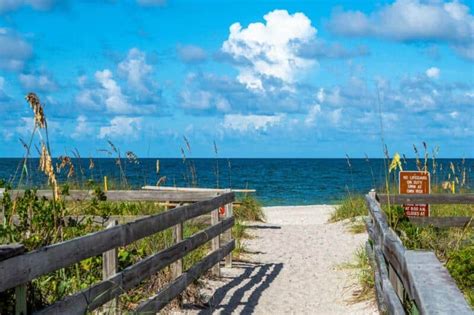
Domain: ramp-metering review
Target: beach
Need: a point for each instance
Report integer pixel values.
(294, 265)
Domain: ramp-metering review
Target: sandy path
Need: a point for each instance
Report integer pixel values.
(293, 268)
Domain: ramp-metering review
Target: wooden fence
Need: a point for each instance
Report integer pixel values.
(17, 271)
(403, 276)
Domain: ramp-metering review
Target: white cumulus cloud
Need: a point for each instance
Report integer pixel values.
(412, 20)
(121, 126)
(115, 101)
(132, 91)
(249, 123)
(136, 70)
(14, 51)
(82, 129)
(270, 49)
(41, 82)
(43, 5)
(313, 114)
(433, 73)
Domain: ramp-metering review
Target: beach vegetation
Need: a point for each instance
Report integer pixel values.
(36, 222)
(365, 282)
(351, 207)
(249, 209)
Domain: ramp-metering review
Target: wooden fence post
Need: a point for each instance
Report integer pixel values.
(177, 267)
(373, 194)
(20, 300)
(215, 241)
(109, 268)
(229, 212)
(8, 251)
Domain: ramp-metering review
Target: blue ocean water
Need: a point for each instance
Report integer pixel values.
(277, 181)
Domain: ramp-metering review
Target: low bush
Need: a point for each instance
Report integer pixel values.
(249, 209)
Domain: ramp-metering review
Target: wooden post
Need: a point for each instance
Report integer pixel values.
(8, 251)
(215, 241)
(20, 300)
(229, 213)
(373, 194)
(177, 267)
(396, 282)
(109, 268)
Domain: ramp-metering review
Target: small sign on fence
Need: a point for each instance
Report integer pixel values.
(415, 182)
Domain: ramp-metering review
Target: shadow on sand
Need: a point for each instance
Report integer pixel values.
(251, 283)
(263, 227)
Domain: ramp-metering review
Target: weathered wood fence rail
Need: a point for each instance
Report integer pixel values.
(18, 270)
(403, 276)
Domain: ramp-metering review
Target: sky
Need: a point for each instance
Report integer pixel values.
(303, 79)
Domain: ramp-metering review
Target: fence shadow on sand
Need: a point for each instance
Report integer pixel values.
(247, 288)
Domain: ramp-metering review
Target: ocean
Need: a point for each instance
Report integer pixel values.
(277, 181)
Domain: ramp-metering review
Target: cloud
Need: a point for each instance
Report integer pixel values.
(14, 51)
(323, 116)
(133, 91)
(270, 49)
(313, 114)
(38, 82)
(136, 70)
(114, 99)
(191, 54)
(83, 128)
(151, 3)
(42, 5)
(121, 126)
(411, 20)
(319, 49)
(433, 73)
(251, 123)
(207, 93)
(3, 95)
(204, 100)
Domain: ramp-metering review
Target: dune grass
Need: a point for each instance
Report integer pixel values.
(249, 209)
(350, 207)
(365, 288)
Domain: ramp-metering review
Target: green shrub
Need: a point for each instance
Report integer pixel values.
(364, 275)
(249, 209)
(352, 206)
(461, 267)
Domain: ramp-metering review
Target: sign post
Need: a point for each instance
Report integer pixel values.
(415, 182)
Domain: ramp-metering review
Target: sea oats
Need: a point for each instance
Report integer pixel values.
(35, 104)
(46, 166)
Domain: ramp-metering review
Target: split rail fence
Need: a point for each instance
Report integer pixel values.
(403, 276)
(17, 267)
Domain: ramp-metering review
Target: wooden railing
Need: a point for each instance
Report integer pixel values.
(403, 276)
(18, 270)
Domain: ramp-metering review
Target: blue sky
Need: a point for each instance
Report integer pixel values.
(260, 78)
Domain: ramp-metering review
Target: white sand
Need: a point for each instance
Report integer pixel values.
(293, 268)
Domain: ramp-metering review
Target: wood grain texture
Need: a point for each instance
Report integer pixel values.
(390, 299)
(24, 268)
(197, 189)
(427, 198)
(157, 302)
(435, 292)
(442, 222)
(11, 250)
(109, 269)
(216, 242)
(229, 213)
(127, 195)
(102, 292)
